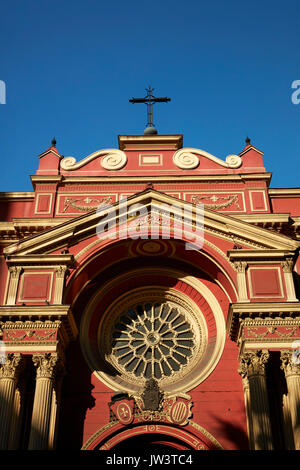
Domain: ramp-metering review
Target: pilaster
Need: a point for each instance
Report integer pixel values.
(13, 282)
(287, 268)
(240, 267)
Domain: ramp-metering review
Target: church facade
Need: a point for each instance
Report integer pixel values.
(149, 299)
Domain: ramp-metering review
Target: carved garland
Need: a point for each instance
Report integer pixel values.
(87, 207)
(229, 201)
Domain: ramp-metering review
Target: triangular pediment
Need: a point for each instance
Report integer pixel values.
(73, 231)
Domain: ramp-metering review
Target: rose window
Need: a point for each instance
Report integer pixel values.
(152, 340)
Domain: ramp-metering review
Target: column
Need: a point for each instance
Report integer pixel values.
(240, 267)
(292, 374)
(9, 372)
(42, 405)
(253, 367)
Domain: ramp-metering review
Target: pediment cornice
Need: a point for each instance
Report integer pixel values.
(215, 223)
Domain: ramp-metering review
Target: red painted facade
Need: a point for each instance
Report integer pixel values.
(51, 234)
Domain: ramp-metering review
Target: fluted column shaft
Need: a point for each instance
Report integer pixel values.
(9, 372)
(253, 367)
(292, 375)
(39, 435)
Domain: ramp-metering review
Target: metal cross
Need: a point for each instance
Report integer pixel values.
(149, 100)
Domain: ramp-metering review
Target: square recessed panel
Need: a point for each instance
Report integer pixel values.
(258, 201)
(43, 203)
(265, 282)
(35, 287)
(150, 159)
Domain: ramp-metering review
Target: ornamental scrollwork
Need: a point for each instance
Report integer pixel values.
(113, 159)
(187, 159)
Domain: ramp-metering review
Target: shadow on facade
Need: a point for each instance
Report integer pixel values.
(76, 399)
(16, 416)
(232, 432)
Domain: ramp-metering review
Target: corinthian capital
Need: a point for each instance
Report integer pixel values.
(253, 363)
(287, 265)
(15, 271)
(11, 366)
(288, 363)
(60, 271)
(240, 266)
(46, 364)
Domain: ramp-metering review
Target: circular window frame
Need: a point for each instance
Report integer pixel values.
(145, 295)
(106, 374)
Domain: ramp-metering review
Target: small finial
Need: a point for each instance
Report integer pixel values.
(247, 141)
(53, 142)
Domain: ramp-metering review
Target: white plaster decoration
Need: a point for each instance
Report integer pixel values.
(113, 159)
(187, 160)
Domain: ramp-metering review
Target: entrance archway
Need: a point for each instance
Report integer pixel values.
(152, 436)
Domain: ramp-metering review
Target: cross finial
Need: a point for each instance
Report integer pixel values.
(150, 100)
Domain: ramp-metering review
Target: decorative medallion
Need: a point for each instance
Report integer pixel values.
(180, 411)
(151, 248)
(123, 411)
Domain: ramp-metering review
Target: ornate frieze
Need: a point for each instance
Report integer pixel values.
(37, 335)
(218, 201)
(274, 324)
(30, 332)
(85, 204)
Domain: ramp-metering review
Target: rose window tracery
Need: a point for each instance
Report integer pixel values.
(152, 340)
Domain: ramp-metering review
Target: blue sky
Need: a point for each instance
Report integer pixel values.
(70, 68)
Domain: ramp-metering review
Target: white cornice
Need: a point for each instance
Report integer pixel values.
(283, 192)
(218, 224)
